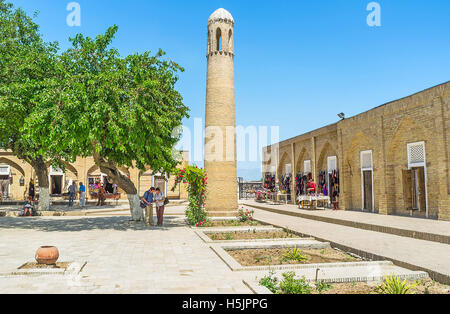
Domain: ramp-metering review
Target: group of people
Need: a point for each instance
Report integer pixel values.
(154, 196)
(81, 192)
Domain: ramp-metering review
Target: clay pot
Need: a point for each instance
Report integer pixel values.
(47, 255)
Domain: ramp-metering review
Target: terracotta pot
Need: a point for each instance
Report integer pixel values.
(47, 255)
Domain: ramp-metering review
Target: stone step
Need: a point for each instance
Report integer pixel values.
(377, 227)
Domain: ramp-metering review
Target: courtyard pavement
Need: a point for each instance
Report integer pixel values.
(432, 257)
(120, 257)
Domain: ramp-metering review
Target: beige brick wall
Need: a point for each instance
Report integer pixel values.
(386, 130)
(79, 171)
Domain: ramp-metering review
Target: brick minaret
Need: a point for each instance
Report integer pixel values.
(220, 120)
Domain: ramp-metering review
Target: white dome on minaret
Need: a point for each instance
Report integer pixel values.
(221, 14)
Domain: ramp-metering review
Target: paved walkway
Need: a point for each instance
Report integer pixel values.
(407, 252)
(424, 229)
(121, 257)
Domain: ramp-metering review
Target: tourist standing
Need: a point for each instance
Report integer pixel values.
(101, 196)
(72, 191)
(82, 193)
(159, 200)
(148, 200)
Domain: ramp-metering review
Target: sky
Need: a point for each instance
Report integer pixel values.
(297, 63)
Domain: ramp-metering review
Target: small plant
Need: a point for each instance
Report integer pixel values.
(245, 215)
(288, 231)
(203, 223)
(293, 254)
(270, 282)
(393, 285)
(229, 236)
(322, 286)
(289, 285)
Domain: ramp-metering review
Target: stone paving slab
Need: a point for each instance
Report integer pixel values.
(420, 255)
(418, 228)
(122, 257)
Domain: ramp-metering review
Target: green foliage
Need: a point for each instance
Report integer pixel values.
(293, 254)
(196, 180)
(121, 110)
(28, 67)
(289, 285)
(322, 286)
(270, 282)
(393, 285)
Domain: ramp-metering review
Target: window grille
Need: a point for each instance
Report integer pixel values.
(366, 160)
(4, 170)
(332, 163)
(307, 166)
(416, 153)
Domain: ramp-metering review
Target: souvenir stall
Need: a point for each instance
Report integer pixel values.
(301, 181)
(316, 194)
(285, 186)
(269, 182)
(269, 188)
(96, 180)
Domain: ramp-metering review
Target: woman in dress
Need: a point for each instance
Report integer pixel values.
(159, 200)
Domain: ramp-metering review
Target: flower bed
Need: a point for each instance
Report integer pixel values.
(289, 255)
(239, 235)
(228, 223)
(289, 284)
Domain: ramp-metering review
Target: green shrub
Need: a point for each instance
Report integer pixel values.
(393, 285)
(289, 285)
(293, 254)
(322, 286)
(270, 282)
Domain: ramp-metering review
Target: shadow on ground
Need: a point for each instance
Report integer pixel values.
(84, 224)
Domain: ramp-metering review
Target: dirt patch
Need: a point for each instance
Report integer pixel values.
(424, 286)
(230, 223)
(239, 235)
(63, 265)
(265, 257)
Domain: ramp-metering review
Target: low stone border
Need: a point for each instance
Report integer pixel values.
(219, 249)
(203, 234)
(74, 268)
(256, 288)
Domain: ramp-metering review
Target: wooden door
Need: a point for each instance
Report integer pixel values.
(368, 197)
(56, 182)
(408, 187)
(422, 206)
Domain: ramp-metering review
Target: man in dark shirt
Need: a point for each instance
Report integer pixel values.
(148, 200)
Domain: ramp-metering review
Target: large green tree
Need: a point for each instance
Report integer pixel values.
(121, 110)
(26, 64)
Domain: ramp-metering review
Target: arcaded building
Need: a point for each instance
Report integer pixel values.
(391, 160)
(15, 174)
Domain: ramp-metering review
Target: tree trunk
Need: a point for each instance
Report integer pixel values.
(110, 169)
(40, 168)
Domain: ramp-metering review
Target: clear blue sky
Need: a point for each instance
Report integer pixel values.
(298, 63)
